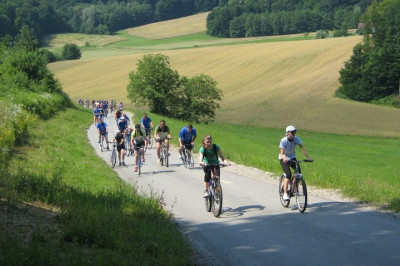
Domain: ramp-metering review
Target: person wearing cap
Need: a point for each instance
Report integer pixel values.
(137, 141)
(122, 124)
(119, 138)
(287, 155)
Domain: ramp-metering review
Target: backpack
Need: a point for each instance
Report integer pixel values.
(215, 150)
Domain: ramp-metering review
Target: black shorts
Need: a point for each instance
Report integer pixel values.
(207, 172)
(188, 146)
(286, 168)
(138, 146)
(121, 147)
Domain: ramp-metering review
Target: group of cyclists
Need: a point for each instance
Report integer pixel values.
(209, 152)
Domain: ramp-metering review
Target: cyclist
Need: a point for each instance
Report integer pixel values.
(119, 138)
(162, 133)
(187, 136)
(103, 130)
(118, 115)
(287, 155)
(208, 154)
(137, 141)
(96, 114)
(147, 125)
(122, 124)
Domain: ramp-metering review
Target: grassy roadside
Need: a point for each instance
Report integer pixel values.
(364, 168)
(62, 205)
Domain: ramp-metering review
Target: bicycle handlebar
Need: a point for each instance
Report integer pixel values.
(216, 164)
(303, 161)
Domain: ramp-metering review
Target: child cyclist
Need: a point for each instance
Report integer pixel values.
(208, 154)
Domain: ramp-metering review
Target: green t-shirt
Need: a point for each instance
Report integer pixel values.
(137, 137)
(209, 155)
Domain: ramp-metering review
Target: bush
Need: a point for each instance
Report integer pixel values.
(71, 51)
(321, 34)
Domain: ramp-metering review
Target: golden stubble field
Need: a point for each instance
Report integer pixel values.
(265, 84)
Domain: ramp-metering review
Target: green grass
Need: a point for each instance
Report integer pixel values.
(100, 219)
(365, 168)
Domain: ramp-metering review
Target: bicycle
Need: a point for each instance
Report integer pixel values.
(187, 158)
(139, 161)
(164, 154)
(102, 140)
(296, 188)
(214, 200)
(127, 141)
(114, 155)
(148, 136)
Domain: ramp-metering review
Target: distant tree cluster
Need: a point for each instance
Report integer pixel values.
(276, 17)
(373, 71)
(91, 16)
(156, 85)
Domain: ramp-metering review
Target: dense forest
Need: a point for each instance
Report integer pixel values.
(91, 16)
(250, 18)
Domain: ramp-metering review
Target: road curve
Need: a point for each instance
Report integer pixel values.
(254, 228)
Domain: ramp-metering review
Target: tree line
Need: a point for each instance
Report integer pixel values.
(91, 16)
(276, 17)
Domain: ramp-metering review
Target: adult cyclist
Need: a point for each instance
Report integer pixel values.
(147, 125)
(122, 124)
(187, 136)
(287, 155)
(137, 141)
(119, 138)
(208, 154)
(162, 133)
(102, 129)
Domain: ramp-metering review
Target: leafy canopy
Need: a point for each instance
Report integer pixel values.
(156, 85)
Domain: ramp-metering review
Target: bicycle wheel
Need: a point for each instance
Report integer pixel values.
(217, 199)
(127, 147)
(150, 143)
(191, 160)
(139, 163)
(301, 195)
(283, 202)
(208, 201)
(162, 156)
(113, 158)
(166, 157)
(185, 157)
(101, 143)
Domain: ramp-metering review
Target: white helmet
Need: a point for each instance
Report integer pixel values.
(290, 129)
(117, 132)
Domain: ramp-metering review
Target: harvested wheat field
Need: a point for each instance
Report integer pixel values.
(172, 28)
(264, 84)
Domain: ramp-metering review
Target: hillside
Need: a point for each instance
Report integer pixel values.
(264, 84)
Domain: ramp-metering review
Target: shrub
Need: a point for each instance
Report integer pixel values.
(71, 51)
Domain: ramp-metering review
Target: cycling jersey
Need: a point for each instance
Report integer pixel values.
(138, 137)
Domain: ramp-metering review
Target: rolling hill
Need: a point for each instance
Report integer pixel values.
(265, 84)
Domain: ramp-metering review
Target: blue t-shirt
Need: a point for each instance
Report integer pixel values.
(122, 124)
(96, 112)
(101, 126)
(187, 136)
(145, 122)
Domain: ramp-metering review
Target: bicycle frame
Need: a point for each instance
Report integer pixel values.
(215, 199)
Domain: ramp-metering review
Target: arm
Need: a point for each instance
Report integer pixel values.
(201, 157)
(222, 156)
(303, 150)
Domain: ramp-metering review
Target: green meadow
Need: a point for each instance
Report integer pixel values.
(268, 83)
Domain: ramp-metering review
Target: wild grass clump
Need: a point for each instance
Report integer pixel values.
(92, 217)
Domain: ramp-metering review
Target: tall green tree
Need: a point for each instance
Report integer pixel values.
(154, 84)
(373, 71)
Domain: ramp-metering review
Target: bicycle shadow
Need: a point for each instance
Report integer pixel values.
(229, 212)
(163, 171)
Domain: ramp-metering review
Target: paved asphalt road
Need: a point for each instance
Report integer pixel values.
(254, 228)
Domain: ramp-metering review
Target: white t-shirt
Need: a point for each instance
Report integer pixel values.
(289, 147)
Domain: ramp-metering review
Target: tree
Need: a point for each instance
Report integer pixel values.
(373, 71)
(71, 51)
(156, 85)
